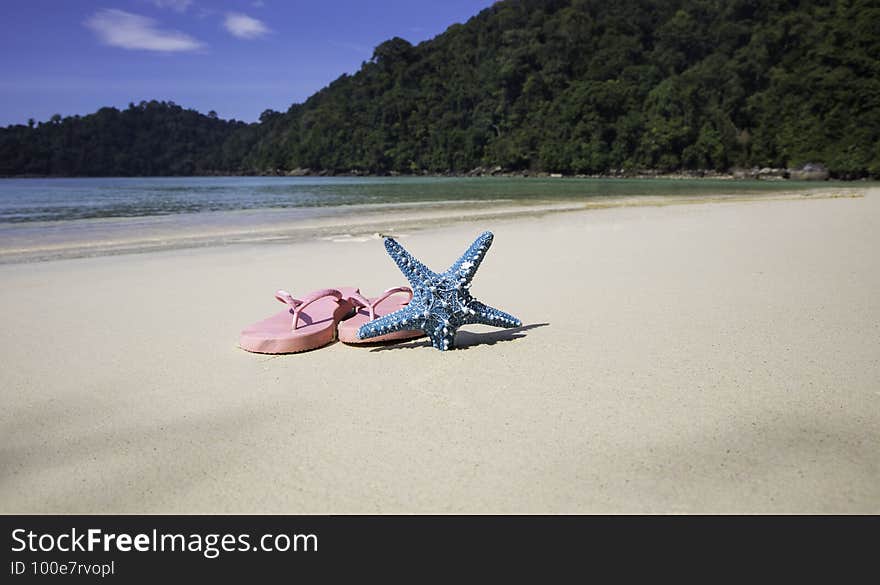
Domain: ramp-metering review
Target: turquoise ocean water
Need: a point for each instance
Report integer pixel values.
(49, 200)
(46, 218)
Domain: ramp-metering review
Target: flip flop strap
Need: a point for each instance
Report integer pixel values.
(297, 305)
(359, 300)
(371, 305)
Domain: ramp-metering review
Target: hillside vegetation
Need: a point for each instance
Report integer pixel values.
(561, 86)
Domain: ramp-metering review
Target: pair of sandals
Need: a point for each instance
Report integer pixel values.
(323, 316)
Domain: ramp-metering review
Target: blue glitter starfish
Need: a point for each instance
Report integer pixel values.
(441, 303)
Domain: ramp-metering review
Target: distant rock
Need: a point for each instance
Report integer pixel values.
(743, 174)
(809, 172)
(484, 171)
(772, 174)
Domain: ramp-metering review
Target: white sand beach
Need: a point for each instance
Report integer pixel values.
(711, 358)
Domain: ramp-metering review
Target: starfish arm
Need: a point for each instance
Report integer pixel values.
(405, 319)
(486, 315)
(414, 271)
(440, 329)
(440, 340)
(465, 267)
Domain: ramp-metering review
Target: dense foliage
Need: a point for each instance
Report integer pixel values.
(572, 86)
(150, 138)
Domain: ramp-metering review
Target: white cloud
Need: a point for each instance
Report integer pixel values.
(244, 26)
(118, 28)
(176, 5)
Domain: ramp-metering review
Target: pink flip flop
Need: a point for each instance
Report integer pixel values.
(368, 310)
(305, 324)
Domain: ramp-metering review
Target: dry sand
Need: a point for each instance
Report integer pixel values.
(700, 358)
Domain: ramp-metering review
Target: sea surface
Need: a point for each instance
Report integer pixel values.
(49, 218)
(42, 200)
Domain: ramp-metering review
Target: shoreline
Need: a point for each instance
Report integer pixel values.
(768, 174)
(113, 236)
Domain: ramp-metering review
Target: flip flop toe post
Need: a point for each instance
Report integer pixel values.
(368, 310)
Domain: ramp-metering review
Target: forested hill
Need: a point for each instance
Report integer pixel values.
(570, 86)
(150, 138)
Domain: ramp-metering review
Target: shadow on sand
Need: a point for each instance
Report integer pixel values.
(467, 339)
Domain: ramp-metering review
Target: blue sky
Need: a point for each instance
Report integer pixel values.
(237, 57)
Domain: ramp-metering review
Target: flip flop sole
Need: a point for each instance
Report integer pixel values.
(348, 328)
(317, 328)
